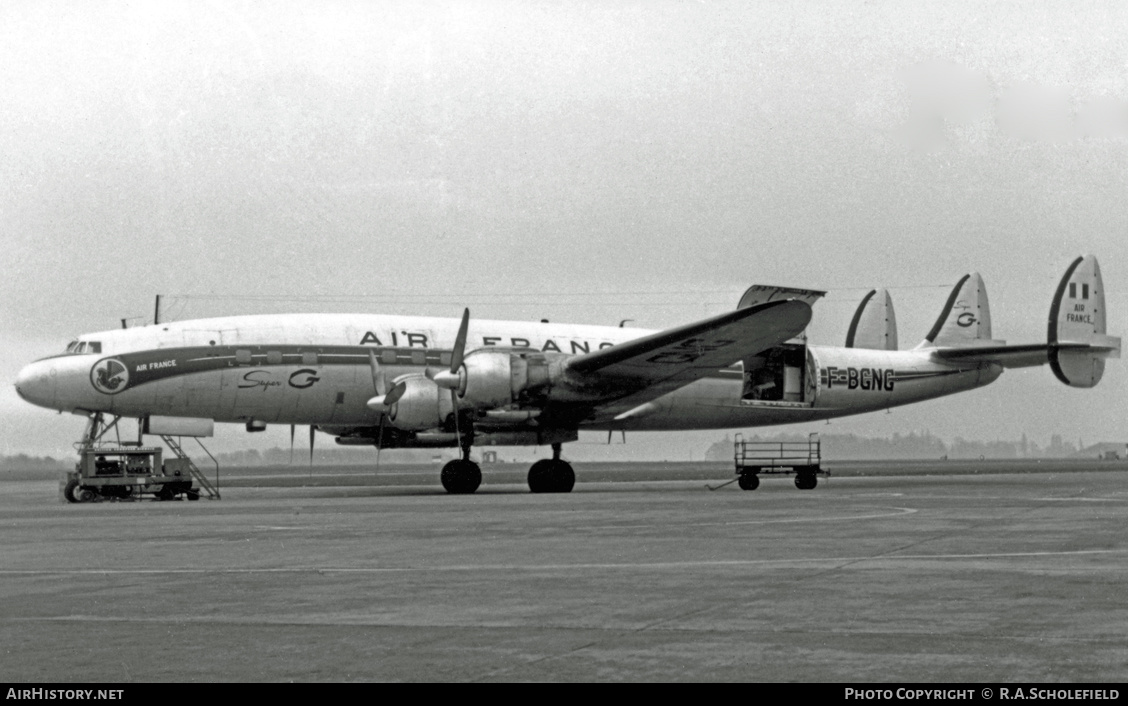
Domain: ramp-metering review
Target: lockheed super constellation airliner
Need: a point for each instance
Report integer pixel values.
(410, 382)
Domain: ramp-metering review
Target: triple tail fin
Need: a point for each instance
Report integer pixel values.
(1076, 343)
(874, 324)
(965, 319)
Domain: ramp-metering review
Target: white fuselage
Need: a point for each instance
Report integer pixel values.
(314, 369)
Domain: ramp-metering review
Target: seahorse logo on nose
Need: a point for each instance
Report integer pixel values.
(109, 376)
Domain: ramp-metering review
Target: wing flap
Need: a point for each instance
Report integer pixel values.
(761, 293)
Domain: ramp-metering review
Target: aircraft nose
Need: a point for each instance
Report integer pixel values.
(36, 383)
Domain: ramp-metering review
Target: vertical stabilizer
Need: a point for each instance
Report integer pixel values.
(874, 324)
(966, 318)
(1077, 316)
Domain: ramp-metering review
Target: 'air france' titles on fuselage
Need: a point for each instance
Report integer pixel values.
(419, 339)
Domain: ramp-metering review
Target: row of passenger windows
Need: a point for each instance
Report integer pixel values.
(84, 347)
(388, 356)
(243, 357)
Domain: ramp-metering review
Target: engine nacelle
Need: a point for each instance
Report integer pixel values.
(492, 379)
(423, 405)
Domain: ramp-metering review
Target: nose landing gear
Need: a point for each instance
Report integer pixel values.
(462, 476)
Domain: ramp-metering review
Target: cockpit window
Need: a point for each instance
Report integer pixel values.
(80, 347)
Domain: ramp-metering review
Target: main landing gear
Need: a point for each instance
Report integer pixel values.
(463, 476)
(553, 475)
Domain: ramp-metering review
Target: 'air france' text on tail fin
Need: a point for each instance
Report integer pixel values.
(1077, 344)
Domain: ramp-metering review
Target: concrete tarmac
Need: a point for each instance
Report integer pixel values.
(1013, 578)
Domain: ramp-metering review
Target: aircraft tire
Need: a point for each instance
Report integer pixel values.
(551, 476)
(749, 481)
(540, 476)
(564, 478)
(68, 491)
(461, 477)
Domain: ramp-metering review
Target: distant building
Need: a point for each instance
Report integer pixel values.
(1106, 451)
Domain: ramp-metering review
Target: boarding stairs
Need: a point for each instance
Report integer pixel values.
(212, 489)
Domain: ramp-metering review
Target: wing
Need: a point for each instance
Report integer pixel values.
(649, 367)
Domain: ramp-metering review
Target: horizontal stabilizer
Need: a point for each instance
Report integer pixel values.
(1025, 355)
(874, 325)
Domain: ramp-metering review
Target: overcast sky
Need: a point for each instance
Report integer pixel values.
(578, 161)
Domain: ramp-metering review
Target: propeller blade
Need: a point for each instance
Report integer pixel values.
(292, 427)
(452, 379)
(377, 374)
(454, 403)
(460, 343)
(380, 403)
(395, 393)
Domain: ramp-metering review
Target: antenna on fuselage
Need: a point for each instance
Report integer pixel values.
(157, 311)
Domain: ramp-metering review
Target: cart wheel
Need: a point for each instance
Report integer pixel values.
(749, 481)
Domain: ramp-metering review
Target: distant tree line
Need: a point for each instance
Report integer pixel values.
(23, 462)
(911, 446)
